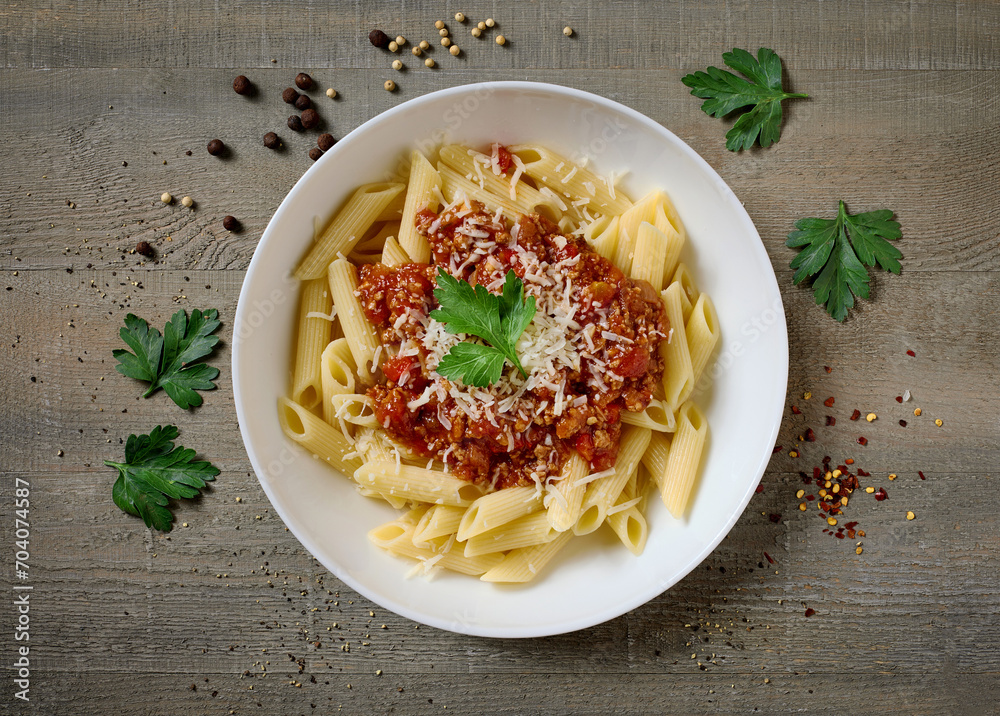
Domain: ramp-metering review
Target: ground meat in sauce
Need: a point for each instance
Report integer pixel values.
(476, 246)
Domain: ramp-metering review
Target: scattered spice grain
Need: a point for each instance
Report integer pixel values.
(325, 141)
(289, 95)
(910, 515)
(295, 123)
(459, 17)
(397, 65)
(310, 118)
(389, 86)
(856, 414)
(490, 22)
(871, 417)
(231, 223)
(393, 46)
(331, 93)
(271, 140)
(216, 147)
(315, 153)
(828, 402)
(303, 102)
(917, 411)
(939, 422)
(144, 249)
(303, 81)
(379, 39)
(429, 62)
(166, 198)
(862, 441)
(242, 85)
(568, 31)
(911, 354)
(501, 40)
(187, 201)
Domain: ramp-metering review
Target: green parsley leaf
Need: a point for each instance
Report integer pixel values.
(153, 472)
(168, 361)
(498, 320)
(839, 249)
(725, 92)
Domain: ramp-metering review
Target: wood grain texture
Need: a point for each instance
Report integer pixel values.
(901, 115)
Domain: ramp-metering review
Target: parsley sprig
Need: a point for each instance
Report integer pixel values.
(725, 92)
(498, 320)
(168, 361)
(838, 251)
(153, 472)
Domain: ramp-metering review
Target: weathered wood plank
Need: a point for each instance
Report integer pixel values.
(848, 34)
(921, 143)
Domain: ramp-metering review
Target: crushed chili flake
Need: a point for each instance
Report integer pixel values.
(777, 449)
(881, 494)
(796, 410)
(774, 517)
(770, 560)
(810, 612)
(828, 402)
(817, 473)
(810, 435)
(826, 459)
(863, 473)
(911, 354)
(899, 398)
(902, 423)
(921, 473)
(830, 421)
(862, 441)
(760, 489)
(849, 461)
(828, 369)
(856, 414)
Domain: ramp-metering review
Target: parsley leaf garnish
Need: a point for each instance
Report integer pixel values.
(498, 320)
(154, 471)
(839, 249)
(725, 92)
(168, 361)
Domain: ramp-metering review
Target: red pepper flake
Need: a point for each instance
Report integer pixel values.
(851, 525)
(826, 459)
(810, 497)
(810, 612)
(863, 473)
(849, 461)
(817, 473)
(830, 421)
(828, 369)
(881, 494)
(828, 402)
(850, 534)
(796, 410)
(862, 441)
(774, 517)
(856, 414)
(902, 423)
(777, 449)
(760, 489)
(810, 435)
(911, 354)
(921, 473)
(899, 398)
(770, 559)
(805, 477)
(840, 535)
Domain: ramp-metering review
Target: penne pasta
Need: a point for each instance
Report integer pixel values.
(501, 511)
(415, 483)
(565, 498)
(545, 166)
(497, 509)
(702, 334)
(336, 372)
(360, 333)
(678, 374)
(315, 320)
(523, 565)
(682, 462)
(318, 437)
(421, 193)
(347, 227)
(523, 532)
(601, 494)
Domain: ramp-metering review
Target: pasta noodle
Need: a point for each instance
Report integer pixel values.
(314, 333)
(346, 383)
(347, 227)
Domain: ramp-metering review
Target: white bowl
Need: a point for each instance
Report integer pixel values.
(595, 578)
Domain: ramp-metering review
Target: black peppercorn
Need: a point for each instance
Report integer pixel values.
(216, 147)
(231, 223)
(145, 249)
(379, 39)
(325, 141)
(303, 81)
(289, 95)
(243, 86)
(295, 124)
(303, 102)
(310, 118)
(315, 153)
(271, 140)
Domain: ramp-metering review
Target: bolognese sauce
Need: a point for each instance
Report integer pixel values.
(591, 351)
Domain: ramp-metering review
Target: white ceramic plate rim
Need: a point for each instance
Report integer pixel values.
(770, 412)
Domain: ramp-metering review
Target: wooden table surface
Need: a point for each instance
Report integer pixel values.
(104, 106)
